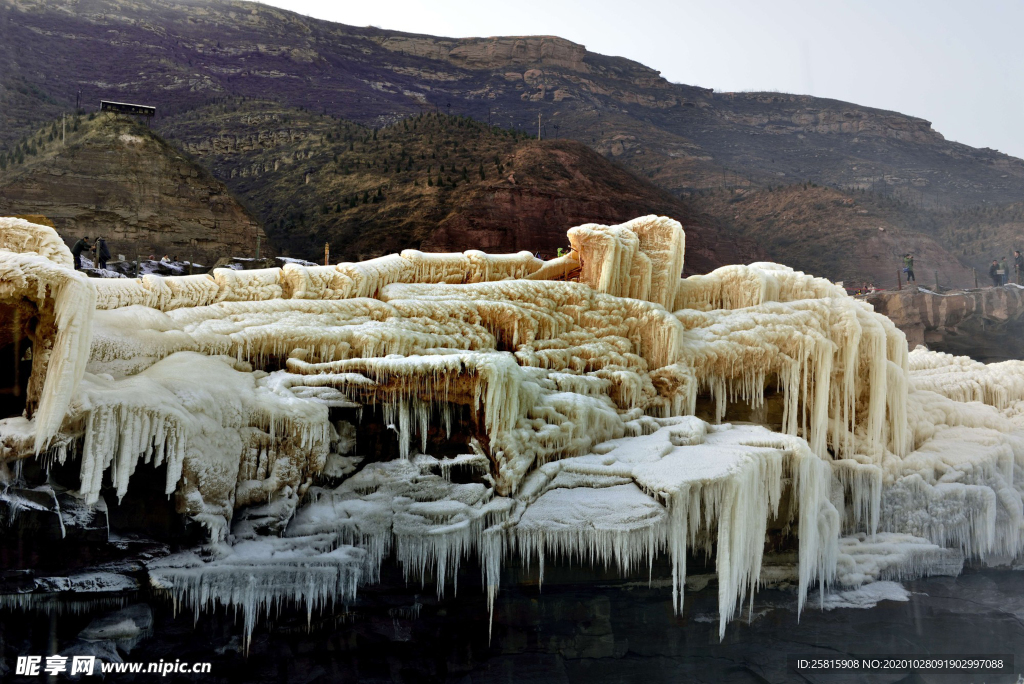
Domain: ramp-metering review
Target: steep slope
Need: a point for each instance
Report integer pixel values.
(181, 55)
(433, 182)
(856, 237)
(175, 54)
(112, 177)
(983, 233)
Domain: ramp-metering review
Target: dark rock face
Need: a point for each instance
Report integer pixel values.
(577, 629)
(985, 324)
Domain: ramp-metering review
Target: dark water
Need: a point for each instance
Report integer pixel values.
(574, 630)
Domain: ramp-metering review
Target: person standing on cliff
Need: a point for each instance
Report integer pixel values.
(76, 251)
(908, 267)
(1018, 266)
(1004, 271)
(993, 273)
(102, 253)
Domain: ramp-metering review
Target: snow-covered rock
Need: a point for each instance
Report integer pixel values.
(574, 418)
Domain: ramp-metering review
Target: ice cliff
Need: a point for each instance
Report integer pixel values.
(596, 407)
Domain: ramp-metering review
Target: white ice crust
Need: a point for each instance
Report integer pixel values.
(581, 380)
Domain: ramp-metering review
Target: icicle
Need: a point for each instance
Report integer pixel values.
(581, 397)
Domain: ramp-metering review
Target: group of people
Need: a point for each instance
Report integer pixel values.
(100, 253)
(863, 289)
(99, 250)
(1000, 273)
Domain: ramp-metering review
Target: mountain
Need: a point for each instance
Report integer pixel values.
(182, 55)
(107, 175)
(432, 182)
(177, 53)
(856, 237)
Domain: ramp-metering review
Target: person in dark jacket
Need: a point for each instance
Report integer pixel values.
(102, 253)
(993, 273)
(76, 251)
(1018, 266)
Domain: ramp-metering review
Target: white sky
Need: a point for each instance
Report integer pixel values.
(958, 64)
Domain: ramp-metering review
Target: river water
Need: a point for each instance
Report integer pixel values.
(581, 626)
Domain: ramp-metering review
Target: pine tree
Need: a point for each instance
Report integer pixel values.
(482, 176)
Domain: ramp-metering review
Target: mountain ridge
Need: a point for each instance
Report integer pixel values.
(692, 137)
(687, 140)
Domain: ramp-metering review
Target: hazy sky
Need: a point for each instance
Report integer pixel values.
(958, 64)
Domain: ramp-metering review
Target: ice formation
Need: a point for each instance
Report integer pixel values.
(576, 409)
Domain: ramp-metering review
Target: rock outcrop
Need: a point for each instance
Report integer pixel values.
(986, 324)
(116, 178)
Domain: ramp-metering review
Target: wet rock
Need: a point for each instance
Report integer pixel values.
(125, 627)
(105, 651)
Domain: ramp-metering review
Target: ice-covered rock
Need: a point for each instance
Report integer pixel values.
(292, 411)
(125, 627)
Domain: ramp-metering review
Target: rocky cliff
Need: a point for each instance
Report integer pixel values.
(986, 324)
(113, 177)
